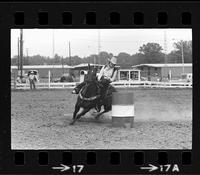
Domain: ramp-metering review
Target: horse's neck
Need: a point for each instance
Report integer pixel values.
(90, 90)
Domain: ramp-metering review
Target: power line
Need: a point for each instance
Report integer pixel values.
(118, 41)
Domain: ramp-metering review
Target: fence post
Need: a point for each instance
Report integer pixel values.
(15, 83)
(49, 77)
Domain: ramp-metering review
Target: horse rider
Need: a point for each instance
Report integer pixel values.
(108, 74)
(109, 71)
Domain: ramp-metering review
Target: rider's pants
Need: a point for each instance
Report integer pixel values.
(32, 84)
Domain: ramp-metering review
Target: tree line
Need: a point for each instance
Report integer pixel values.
(147, 53)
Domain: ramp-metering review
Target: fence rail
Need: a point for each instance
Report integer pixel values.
(118, 84)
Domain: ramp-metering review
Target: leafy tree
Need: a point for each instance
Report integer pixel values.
(100, 59)
(14, 61)
(150, 48)
(176, 55)
(57, 59)
(151, 53)
(76, 60)
(124, 59)
(90, 59)
(139, 58)
(103, 57)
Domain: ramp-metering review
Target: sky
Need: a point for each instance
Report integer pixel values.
(84, 42)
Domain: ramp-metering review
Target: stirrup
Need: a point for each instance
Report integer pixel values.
(98, 109)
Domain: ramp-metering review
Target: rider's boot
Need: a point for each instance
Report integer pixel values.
(75, 91)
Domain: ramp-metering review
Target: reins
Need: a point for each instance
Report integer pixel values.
(88, 98)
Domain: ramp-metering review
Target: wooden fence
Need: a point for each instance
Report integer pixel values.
(117, 84)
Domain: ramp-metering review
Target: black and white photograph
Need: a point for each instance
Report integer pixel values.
(101, 89)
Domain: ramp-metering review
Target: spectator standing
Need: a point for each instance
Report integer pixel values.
(32, 80)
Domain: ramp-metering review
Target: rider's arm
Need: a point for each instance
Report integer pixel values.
(114, 77)
(101, 73)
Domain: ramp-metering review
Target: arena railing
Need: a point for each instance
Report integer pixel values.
(117, 84)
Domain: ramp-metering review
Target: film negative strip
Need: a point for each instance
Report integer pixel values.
(65, 64)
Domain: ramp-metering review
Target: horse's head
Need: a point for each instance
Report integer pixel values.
(92, 85)
(91, 76)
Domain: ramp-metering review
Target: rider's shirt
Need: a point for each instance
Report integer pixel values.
(107, 72)
(32, 77)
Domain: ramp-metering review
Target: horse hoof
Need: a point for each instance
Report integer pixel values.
(97, 117)
(94, 113)
(71, 123)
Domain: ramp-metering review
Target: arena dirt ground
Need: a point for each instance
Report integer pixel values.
(40, 120)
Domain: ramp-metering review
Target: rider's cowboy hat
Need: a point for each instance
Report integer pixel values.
(113, 60)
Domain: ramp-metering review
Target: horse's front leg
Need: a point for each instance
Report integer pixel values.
(85, 110)
(77, 108)
(79, 115)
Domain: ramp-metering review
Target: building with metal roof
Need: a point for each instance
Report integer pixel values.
(84, 66)
(162, 71)
(165, 65)
(43, 66)
(56, 70)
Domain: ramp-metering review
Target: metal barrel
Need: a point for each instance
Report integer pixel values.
(122, 108)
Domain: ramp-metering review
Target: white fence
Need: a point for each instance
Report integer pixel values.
(118, 84)
(152, 84)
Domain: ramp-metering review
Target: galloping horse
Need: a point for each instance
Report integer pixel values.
(89, 96)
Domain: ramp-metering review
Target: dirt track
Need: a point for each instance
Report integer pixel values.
(40, 120)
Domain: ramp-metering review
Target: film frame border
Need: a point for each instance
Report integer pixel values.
(102, 10)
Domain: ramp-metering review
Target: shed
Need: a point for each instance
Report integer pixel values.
(162, 71)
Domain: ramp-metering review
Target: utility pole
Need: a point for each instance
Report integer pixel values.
(27, 52)
(62, 66)
(26, 56)
(21, 53)
(99, 47)
(69, 54)
(165, 47)
(182, 56)
(53, 53)
(165, 50)
(18, 52)
(69, 58)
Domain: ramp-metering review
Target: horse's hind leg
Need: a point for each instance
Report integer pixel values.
(107, 108)
(98, 115)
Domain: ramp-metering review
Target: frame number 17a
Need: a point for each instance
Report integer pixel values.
(161, 168)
